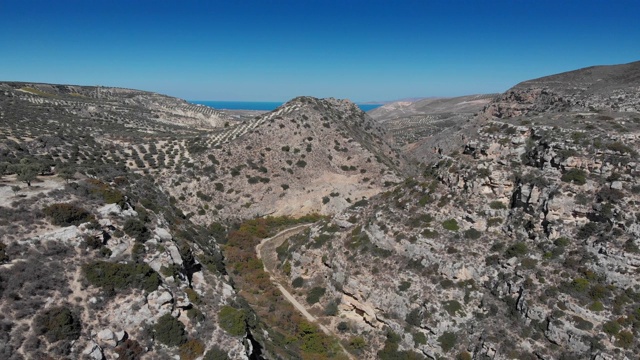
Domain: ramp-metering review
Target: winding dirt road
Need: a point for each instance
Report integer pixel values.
(266, 251)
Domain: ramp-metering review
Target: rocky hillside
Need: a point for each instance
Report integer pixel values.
(309, 155)
(425, 128)
(431, 106)
(520, 243)
(133, 226)
(100, 260)
(593, 89)
(98, 270)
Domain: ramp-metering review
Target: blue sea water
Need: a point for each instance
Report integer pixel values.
(258, 105)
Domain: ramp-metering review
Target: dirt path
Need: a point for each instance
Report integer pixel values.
(266, 251)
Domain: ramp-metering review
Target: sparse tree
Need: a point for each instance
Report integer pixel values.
(67, 172)
(26, 173)
(3, 168)
(15, 189)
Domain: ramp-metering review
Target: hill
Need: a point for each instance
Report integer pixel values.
(518, 240)
(309, 155)
(138, 226)
(115, 205)
(592, 89)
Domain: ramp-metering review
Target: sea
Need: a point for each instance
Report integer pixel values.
(258, 105)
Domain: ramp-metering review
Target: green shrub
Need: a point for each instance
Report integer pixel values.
(195, 315)
(138, 252)
(414, 317)
(419, 338)
(596, 306)
(494, 221)
(232, 321)
(58, 323)
(315, 294)
(192, 295)
(301, 163)
(67, 214)
(108, 194)
(129, 350)
(429, 233)
(204, 197)
(332, 307)
(587, 230)
(404, 285)
(116, 276)
(216, 353)
(451, 225)
(472, 234)
(3, 253)
(312, 340)
(136, 229)
(529, 263)
(357, 343)
(320, 240)
(452, 307)
(562, 241)
(582, 323)
(576, 176)
(169, 331)
(518, 249)
(580, 284)
(611, 327)
(191, 350)
(297, 282)
(619, 147)
(360, 203)
(447, 341)
(497, 205)
(598, 292)
(624, 339)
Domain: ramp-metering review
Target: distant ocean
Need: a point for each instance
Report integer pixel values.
(259, 105)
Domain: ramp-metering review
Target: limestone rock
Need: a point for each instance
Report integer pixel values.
(93, 351)
(107, 337)
(159, 299)
(163, 234)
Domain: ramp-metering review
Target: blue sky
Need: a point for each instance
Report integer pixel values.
(278, 49)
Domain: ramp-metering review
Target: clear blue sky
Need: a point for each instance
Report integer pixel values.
(278, 49)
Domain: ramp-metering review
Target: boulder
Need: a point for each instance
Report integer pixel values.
(93, 351)
(159, 299)
(163, 234)
(107, 337)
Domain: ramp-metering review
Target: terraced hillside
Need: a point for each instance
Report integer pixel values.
(309, 155)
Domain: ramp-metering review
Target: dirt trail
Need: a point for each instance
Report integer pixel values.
(266, 251)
